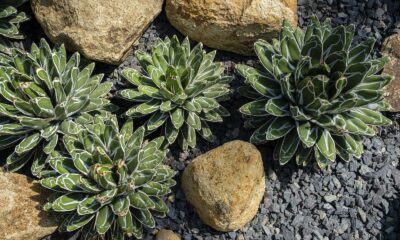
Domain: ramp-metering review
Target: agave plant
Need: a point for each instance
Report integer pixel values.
(315, 93)
(41, 93)
(10, 18)
(108, 183)
(179, 89)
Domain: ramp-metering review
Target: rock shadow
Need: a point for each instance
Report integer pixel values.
(391, 220)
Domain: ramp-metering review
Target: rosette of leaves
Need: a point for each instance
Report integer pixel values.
(10, 18)
(315, 93)
(179, 90)
(108, 182)
(41, 93)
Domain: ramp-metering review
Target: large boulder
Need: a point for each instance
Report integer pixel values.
(391, 49)
(231, 25)
(101, 30)
(226, 185)
(21, 214)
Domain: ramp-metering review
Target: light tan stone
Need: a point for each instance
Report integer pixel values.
(164, 234)
(226, 185)
(101, 30)
(391, 49)
(231, 25)
(21, 214)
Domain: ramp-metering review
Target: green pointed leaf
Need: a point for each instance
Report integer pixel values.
(260, 135)
(120, 206)
(133, 95)
(68, 202)
(303, 155)
(144, 108)
(88, 206)
(77, 222)
(160, 205)
(255, 108)
(170, 132)
(140, 200)
(69, 181)
(288, 147)
(126, 223)
(104, 220)
(369, 116)
(321, 160)
(178, 118)
(155, 189)
(279, 127)
(307, 133)
(144, 216)
(28, 143)
(278, 107)
(156, 121)
(62, 165)
(326, 146)
(193, 120)
(16, 161)
(82, 161)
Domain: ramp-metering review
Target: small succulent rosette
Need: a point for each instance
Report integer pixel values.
(41, 94)
(179, 90)
(109, 183)
(315, 93)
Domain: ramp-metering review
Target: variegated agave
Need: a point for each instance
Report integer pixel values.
(40, 95)
(10, 18)
(108, 182)
(315, 94)
(179, 89)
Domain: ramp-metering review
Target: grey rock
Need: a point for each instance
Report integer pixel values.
(330, 198)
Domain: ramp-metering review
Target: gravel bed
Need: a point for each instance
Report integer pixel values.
(356, 200)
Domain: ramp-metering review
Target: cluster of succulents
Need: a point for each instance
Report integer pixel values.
(11, 19)
(107, 181)
(314, 93)
(179, 89)
(41, 92)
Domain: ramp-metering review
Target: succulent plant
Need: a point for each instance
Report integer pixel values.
(315, 93)
(10, 18)
(179, 90)
(109, 182)
(41, 93)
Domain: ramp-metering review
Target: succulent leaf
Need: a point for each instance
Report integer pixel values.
(11, 19)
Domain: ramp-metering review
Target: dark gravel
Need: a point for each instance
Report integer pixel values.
(356, 200)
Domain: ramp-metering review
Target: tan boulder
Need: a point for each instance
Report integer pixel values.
(164, 234)
(226, 185)
(231, 25)
(101, 30)
(391, 49)
(21, 214)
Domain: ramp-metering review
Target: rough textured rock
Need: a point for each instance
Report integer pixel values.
(391, 48)
(225, 185)
(231, 25)
(167, 235)
(101, 30)
(21, 201)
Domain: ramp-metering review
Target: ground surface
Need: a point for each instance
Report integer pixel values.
(356, 200)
